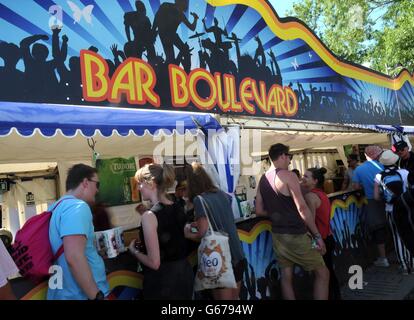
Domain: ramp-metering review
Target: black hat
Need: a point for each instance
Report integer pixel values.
(398, 146)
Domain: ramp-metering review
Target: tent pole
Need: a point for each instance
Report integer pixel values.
(322, 129)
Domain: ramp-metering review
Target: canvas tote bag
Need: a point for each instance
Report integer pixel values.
(214, 258)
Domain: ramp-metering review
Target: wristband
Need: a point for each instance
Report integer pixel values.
(317, 236)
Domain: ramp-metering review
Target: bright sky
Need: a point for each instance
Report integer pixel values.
(281, 6)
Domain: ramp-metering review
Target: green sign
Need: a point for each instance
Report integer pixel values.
(117, 183)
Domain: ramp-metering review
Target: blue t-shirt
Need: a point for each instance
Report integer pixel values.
(74, 217)
(365, 175)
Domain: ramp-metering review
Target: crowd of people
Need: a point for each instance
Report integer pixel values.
(300, 212)
(297, 206)
(161, 249)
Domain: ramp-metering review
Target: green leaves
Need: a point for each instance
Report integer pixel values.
(374, 32)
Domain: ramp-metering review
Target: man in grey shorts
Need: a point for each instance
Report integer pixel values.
(364, 178)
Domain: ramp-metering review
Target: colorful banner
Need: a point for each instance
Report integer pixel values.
(117, 183)
(221, 56)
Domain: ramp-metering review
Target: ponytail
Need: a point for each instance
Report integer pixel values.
(163, 176)
(319, 175)
(168, 176)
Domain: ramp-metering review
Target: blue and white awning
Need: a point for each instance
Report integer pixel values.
(49, 119)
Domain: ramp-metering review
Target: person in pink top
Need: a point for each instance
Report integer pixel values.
(7, 269)
(320, 206)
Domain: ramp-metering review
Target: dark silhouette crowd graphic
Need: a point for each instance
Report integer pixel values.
(264, 288)
(53, 81)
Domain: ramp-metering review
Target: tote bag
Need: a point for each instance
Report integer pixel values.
(214, 258)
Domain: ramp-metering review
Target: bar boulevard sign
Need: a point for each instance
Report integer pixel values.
(136, 79)
(219, 56)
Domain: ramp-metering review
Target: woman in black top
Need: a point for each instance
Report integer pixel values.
(167, 273)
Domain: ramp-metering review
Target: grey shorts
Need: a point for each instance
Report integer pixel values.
(297, 249)
(374, 213)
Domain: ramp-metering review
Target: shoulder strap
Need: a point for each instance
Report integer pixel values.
(157, 207)
(59, 252)
(401, 178)
(270, 176)
(207, 211)
(59, 202)
(391, 172)
(376, 165)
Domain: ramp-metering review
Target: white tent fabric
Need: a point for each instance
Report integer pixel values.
(16, 211)
(222, 160)
(308, 140)
(259, 142)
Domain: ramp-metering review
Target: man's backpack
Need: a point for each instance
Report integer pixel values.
(392, 185)
(32, 251)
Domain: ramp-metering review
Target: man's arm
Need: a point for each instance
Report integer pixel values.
(260, 210)
(356, 183)
(356, 186)
(303, 209)
(300, 203)
(74, 247)
(345, 183)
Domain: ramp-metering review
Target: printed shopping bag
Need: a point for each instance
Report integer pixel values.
(214, 259)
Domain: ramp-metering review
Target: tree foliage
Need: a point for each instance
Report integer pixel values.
(376, 33)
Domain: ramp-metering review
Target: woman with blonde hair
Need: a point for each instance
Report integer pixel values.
(219, 210)
(167, 273)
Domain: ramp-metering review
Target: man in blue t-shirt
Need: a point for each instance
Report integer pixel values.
(71, 224)
(364, 178)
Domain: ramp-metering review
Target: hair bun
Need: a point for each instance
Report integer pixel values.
(323, 170)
